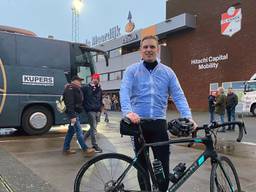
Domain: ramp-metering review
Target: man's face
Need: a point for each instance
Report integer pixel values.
(95, 81)
(149, 50)
(77, 82)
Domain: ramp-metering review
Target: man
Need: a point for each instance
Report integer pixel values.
(145, 89)
(73, 98)
(232, 101)
(211, 105)
(107, 106)
(92, 106)
(220, 106)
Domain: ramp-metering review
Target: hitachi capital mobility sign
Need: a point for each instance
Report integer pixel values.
(211, 62)
(231, 21)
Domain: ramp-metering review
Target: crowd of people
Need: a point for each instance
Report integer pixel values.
(221, 104)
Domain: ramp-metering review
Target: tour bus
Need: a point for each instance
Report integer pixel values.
(33, 73)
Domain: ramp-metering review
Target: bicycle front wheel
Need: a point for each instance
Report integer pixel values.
(102, 172)
(224, 177)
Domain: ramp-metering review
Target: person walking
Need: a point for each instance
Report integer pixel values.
(211, 105)
(220, 106)
(73, 99)
(107, 106)
(93, 105)
(232, 101)
(144, 93)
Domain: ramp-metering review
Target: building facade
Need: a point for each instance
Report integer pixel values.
(218, 50)
(207, 43)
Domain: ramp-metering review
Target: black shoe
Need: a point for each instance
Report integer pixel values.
(97, 149)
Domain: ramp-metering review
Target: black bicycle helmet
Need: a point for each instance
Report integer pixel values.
(181, 127)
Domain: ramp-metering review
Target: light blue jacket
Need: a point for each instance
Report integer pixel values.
(147, 93)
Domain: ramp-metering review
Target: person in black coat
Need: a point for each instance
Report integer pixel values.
(93, 105)
(73, 99)
(211, 105)
(232, 101)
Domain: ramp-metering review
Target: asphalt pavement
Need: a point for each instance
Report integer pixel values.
(37, 164)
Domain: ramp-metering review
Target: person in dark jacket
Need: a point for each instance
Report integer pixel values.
(93, 105)
(73, 99)
(232, 101)
(211, 105)
(220, 106)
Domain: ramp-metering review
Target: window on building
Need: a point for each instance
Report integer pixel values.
(115, 52)
(214, 86)
(104, 77)
(130, 48)
(238, 85)
(115, 76)
(226, 85)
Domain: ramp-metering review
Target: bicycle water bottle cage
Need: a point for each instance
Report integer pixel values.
(128, 128)
(181, 127)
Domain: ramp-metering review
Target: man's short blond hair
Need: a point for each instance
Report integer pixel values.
(149, 37)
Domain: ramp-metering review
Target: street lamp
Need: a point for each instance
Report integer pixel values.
(77, 6)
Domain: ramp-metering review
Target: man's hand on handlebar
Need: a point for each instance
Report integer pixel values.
(194, 123)
(134, 117)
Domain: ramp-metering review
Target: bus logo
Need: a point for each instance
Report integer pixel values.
(37, 80)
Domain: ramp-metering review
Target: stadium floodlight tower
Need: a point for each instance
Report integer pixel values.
(77, 6)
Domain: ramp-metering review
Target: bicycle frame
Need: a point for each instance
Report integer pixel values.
(209, 152)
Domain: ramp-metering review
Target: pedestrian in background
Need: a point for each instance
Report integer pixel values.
(93, 105)
(73, 98)
(107, 106)
(232, 101)
(211, 105)
(220, 106)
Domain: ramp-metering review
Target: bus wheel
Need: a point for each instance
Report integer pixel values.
(253, 110)
(36, 120)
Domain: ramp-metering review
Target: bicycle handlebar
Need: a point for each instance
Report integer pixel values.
(215, 125)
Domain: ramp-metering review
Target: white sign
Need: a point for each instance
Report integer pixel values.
(231, 21)
(211, 62)
(37, 80)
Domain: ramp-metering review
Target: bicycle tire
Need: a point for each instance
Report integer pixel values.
(105, 162)
(218, 182)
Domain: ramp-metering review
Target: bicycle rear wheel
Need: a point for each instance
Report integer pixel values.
(102, 172)
(222, 172)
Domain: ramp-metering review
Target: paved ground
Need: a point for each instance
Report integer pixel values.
(36, 163)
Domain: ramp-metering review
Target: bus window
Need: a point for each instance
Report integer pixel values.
(84, 72)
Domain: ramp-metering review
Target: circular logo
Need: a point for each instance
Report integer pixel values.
(129, 27)
(3, 86)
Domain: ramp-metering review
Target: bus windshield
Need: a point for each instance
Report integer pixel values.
(250, 86)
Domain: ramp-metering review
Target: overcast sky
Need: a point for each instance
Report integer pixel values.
(54, 17)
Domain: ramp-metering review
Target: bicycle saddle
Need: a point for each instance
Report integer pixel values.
(180, 127)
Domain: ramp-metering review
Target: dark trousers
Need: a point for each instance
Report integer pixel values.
(231, 116)
(155, 131)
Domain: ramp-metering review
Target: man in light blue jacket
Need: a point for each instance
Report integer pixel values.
(144, 93)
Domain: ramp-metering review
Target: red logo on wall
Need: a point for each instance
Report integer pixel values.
(231, 21)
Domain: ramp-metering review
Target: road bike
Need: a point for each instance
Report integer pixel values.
(114, 172)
